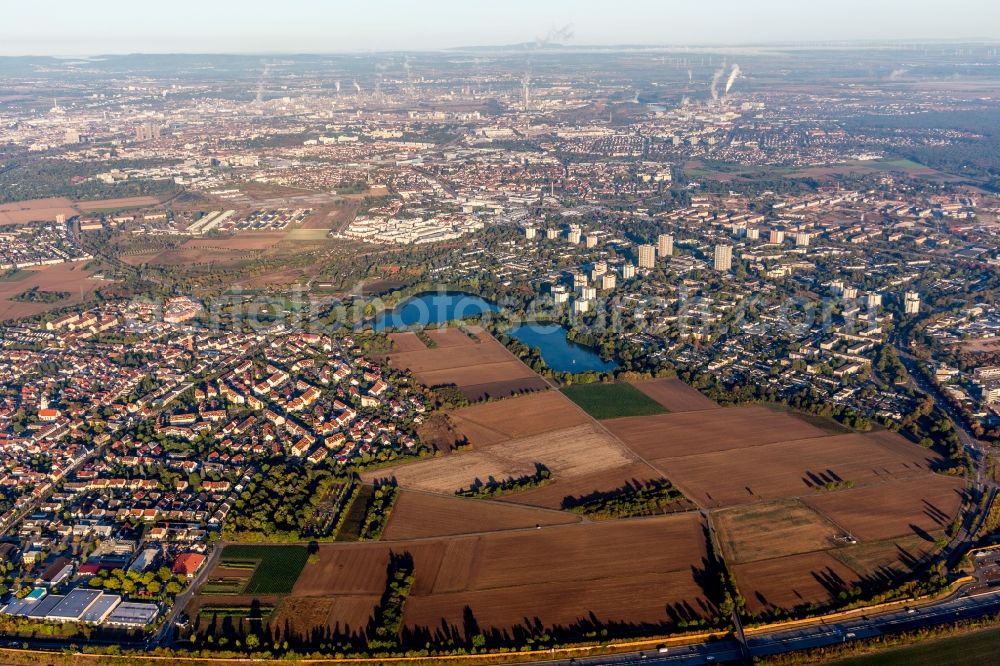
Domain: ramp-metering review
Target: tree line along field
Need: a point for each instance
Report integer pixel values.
(418, 515)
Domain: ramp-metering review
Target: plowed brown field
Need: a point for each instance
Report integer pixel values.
(637, 571)
(897, 508)
(420, 515)
(675, 395)
(788, 582)
(482, 368)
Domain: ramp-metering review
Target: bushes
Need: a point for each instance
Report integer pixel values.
(383, 633)
(632, 499)
(377, 515)
(494, 488)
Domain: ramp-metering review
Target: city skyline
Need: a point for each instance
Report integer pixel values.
(114, 27)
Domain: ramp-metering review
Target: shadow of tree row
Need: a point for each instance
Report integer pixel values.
(470, 632)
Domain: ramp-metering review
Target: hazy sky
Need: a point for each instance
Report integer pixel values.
(85, 27)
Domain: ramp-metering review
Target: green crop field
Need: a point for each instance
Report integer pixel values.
(351, 529)
(609, 401)
(972, 649)
(277, 567)
(223, 586)
(237, 611)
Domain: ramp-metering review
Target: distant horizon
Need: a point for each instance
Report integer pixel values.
(252, 27)
(551, 49)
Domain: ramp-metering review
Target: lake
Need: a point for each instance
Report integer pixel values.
(559, 353)
(433, 308)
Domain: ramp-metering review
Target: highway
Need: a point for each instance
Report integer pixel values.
(761, 644)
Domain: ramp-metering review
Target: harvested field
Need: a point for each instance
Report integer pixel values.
(69, 277)
(507, 578)
(419, 515)
(884, 560)
(449, 337)
(675, 395)
(509, 436)
(238, 243)
(662, 599)
(35, 210)
(449, 474)
(772, 529)
(590, 551)
(473, 374)
(139, 259)
(503, 389)
(792, 468)
(478, 369)
(514, 579)
(354, 569)
(569, 453)
(796, 580)
(345, 615)
(183, 255)
(377, 286)
(523, 416)
(692, 433)
(898, 508)
(453, 359)
(407, 342)
(827, 424)
(301, 234)
(124, 202)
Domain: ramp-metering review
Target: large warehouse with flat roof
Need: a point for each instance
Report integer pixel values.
(84, 605)
(131, 614)
(74, 605)
(101, 609)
